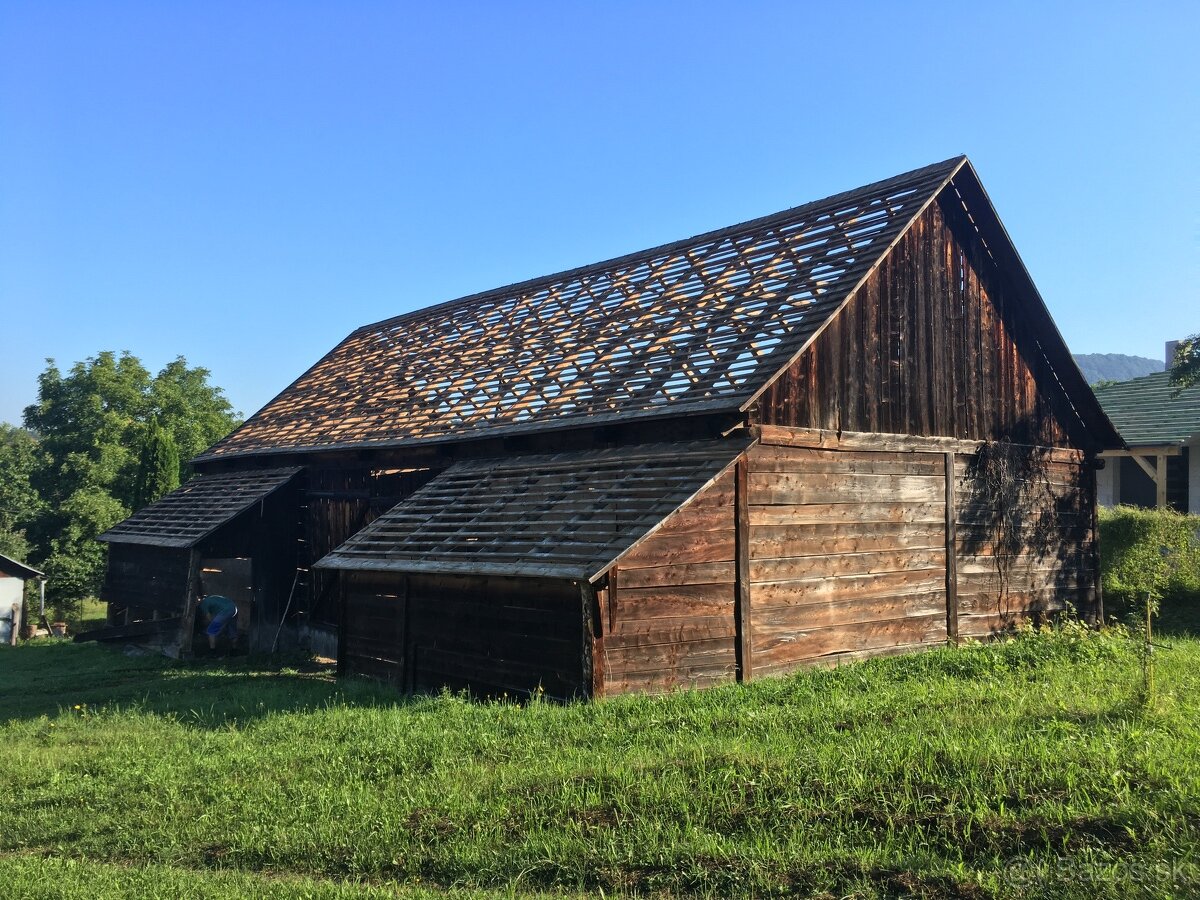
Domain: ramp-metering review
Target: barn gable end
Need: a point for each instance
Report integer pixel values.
(942, 340)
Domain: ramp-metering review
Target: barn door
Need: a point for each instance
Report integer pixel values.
(373, 637)
(232, 578)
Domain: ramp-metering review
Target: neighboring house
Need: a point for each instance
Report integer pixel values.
(1161, 426)
(13, 576)
(846, 429)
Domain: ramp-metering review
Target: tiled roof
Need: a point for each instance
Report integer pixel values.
(698, 325)
(1150, 410)
(565, 515)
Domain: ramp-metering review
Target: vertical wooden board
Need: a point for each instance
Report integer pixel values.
(951, 553)
(742, 611)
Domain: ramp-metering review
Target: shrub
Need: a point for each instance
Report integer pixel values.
(1155, 551)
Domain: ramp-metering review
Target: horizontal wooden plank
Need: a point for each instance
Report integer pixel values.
(847, 612)
(785, 436)
(868, 563)
(778, 489)
(815, 513)
(668, 681)
(845, 587)
(649, 632)
(670, 601)
(825, 538)
(803, 460)
(678, 574)
(787, 666)
(716, 652)
(817, 642)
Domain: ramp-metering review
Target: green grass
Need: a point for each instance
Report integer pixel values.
(1025, 768)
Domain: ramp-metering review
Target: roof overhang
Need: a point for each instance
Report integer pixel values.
(15, 569)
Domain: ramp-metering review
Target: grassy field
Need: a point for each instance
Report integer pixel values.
(1025, 768)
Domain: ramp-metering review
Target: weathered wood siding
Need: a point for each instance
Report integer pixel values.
(667, 615)
(847, 554)
(340, 501)
(144, 582)
(1048, 561)
(489, 634)
(933, 343)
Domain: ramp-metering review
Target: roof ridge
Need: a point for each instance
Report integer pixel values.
(923, 172)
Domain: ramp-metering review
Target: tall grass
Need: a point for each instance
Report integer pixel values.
(1020, 768)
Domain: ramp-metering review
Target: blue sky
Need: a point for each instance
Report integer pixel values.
(244, 184)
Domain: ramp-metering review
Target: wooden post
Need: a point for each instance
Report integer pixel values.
(741, 614)
(592, 680)
(1160, 466)
(951, 553)
(187, 624)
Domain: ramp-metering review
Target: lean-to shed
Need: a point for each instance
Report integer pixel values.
(845, 429)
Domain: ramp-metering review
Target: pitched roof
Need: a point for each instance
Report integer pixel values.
(17, 569)
(698, 325)
(191, 513)
(564, 515)
(1149, 411)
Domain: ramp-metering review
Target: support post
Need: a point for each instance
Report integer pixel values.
(1097, 587)
(187, 624)
(1160, 465)
(742, 621)
(592, 680)
(951, 553)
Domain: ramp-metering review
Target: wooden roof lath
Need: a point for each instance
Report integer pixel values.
(565, 515)
(699, 325)
(191, 513)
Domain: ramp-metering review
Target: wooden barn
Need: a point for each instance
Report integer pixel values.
(846, 429)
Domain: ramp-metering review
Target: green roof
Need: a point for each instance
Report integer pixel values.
(1148, 411)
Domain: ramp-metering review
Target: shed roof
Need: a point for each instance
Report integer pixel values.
(16, 569)
(563, 515)
(191, 513)
(1150, 410)
(699, 325)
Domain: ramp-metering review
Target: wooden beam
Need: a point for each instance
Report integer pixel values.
(823, 439)
(1157, 450)
(951, 553)
(1161, 480)
(742, 613)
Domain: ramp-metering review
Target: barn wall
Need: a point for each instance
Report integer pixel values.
(667, 615)
(847, 554)
(1031, 553)
(341, 500)
(489, 634)
(933, 343)
(145, 582)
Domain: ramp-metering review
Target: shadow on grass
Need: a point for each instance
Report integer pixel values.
(45, 678)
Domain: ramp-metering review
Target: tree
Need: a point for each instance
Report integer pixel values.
(194, 412)
(158, 468)
(1185, 367)
(105, 433)
(19, 502)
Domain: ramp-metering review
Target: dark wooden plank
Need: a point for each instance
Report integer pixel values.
(742, 608)
(951, 553)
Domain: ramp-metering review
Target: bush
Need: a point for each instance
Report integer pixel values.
(1155, 551)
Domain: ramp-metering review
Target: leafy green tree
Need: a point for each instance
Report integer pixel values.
(92, 425)
(158, 468)
(193, 411)
(1185, 367)
(19, 502)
